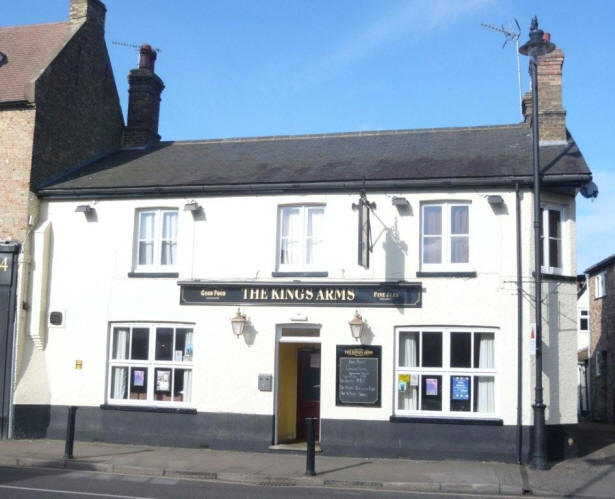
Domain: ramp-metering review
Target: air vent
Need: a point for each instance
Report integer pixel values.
(56, 318)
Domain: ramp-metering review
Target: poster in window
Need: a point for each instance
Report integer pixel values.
(138, 377)
(431, 387)
(461, 387)
(163, 380)
(414, 380)
(402, 382)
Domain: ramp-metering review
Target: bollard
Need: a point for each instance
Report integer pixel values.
(70, 432)
(311, 446)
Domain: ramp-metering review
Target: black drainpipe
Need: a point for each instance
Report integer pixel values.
(519, 331)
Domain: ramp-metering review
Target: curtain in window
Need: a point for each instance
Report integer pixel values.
(486, 384)
(290, 236)
(432, 234)
(146, 238)
(187, 386)
(169, 238)
(119, 382)
(315, 218)
(188, 348)
(120, 343)
(459, 234)
(408, 357)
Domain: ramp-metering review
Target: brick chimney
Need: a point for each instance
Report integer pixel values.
(145, 88)
(93, 11)
(551, 114)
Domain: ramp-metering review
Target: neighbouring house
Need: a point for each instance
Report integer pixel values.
(583, 343)
(59, 109)
(601, 353)
(217, 293)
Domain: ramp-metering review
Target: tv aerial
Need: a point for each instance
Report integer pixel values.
(135, 46)
(510, 37)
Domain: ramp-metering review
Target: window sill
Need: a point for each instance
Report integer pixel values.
(300, 274)
(556, 277)
(446, 274)
(447, 420)
(154, 274)
(142, 408)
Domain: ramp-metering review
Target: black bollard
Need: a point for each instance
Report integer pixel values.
(70, 432)
(311, 446)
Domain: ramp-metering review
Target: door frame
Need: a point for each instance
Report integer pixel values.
(313, 340)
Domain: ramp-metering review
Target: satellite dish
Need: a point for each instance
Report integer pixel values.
(589, 190)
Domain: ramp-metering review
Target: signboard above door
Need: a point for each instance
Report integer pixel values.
(364, 294)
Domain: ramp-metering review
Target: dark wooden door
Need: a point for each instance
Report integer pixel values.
(308, 389)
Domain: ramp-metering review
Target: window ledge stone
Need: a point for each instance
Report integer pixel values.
(446, 274)
(556, 277)
(139, 408)
(150, 275)
(300, 274)
(446, 420)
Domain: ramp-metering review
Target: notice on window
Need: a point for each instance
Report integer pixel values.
(460, 386)
(431, 387)
(163, 380)
(138, 376)
(403, 380)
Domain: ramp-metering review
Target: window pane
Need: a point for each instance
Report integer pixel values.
(183, 345)
(554, 223)
(138, 383)
(460, 393)
(460, 251)
(431, 392)
(432, 224)
(554, 253)
(432, 250)
(146, 225)
(164, 343)
(432, 350)
(146, 253)
(407, 392)
(408, 349)
(484, 399)
(182, 388)
(163, 384)
(584, 324)
(120, 343)
(461, 350)
(169, 225)
(119, 376)
(140, 344)
(484, 350)
(314, 246)
(168, 255)
(460, 220)
(290, 233)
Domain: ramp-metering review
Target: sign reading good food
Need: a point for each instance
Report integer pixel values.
(317, 294)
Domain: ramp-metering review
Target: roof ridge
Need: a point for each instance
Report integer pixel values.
(270, 138)
(34, 25)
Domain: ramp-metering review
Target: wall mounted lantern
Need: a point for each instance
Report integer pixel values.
(356, 326)
(238, 323)
(87, 209)
(194, 208)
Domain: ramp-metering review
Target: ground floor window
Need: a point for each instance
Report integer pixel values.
(150, 364)
(446, 372)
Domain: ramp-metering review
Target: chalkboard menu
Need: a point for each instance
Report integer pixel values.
(358, 375)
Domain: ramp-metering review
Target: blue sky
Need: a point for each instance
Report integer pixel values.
(275, 67)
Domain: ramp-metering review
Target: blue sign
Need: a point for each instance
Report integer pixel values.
(461, 387)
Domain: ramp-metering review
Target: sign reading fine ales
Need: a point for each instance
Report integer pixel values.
(308, 294)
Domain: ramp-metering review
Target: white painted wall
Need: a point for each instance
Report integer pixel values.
(88, 279)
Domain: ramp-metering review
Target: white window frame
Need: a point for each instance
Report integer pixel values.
(600, 280)
(157, 265)
(563, 249)
(446, 372)
(583, 314)
(446, 264)
(302, 266)
(151, 364)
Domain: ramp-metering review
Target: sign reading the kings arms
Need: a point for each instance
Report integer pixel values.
(400, 294)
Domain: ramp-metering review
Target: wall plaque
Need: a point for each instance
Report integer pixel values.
(358, 375)
(364, 294)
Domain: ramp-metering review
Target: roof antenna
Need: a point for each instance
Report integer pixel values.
(134, 46)
(511, 36)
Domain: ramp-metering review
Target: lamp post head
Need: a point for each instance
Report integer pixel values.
(539, 43)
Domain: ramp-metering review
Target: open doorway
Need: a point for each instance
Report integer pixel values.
(297, 382)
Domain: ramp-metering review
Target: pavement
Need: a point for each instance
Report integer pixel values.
(591, 475)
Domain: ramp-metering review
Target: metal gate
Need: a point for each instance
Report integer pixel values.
(8, 286)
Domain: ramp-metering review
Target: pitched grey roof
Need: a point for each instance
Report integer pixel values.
(609, 260)
(469, 156)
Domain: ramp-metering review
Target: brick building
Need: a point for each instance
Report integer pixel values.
(601, 287)
(59, 108)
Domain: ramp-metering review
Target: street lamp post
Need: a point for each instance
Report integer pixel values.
(537, 45)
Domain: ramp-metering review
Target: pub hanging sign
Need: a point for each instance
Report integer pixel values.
(400, 294)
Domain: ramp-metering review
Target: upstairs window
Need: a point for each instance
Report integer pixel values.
(301, 238)
(600, 284)
(445, 236)
(552, 241)
(583, 320)
(156, 240)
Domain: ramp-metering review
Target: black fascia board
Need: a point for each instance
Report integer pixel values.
(576, 180)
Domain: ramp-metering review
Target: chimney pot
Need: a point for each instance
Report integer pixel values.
(147, 59)
(546, 37)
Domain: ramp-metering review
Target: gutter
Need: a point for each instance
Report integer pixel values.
(571, 181)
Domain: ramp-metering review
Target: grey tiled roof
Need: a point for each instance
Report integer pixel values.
(609, 260)
(498, 154)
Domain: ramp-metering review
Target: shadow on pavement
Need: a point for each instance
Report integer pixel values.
(592, 437)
